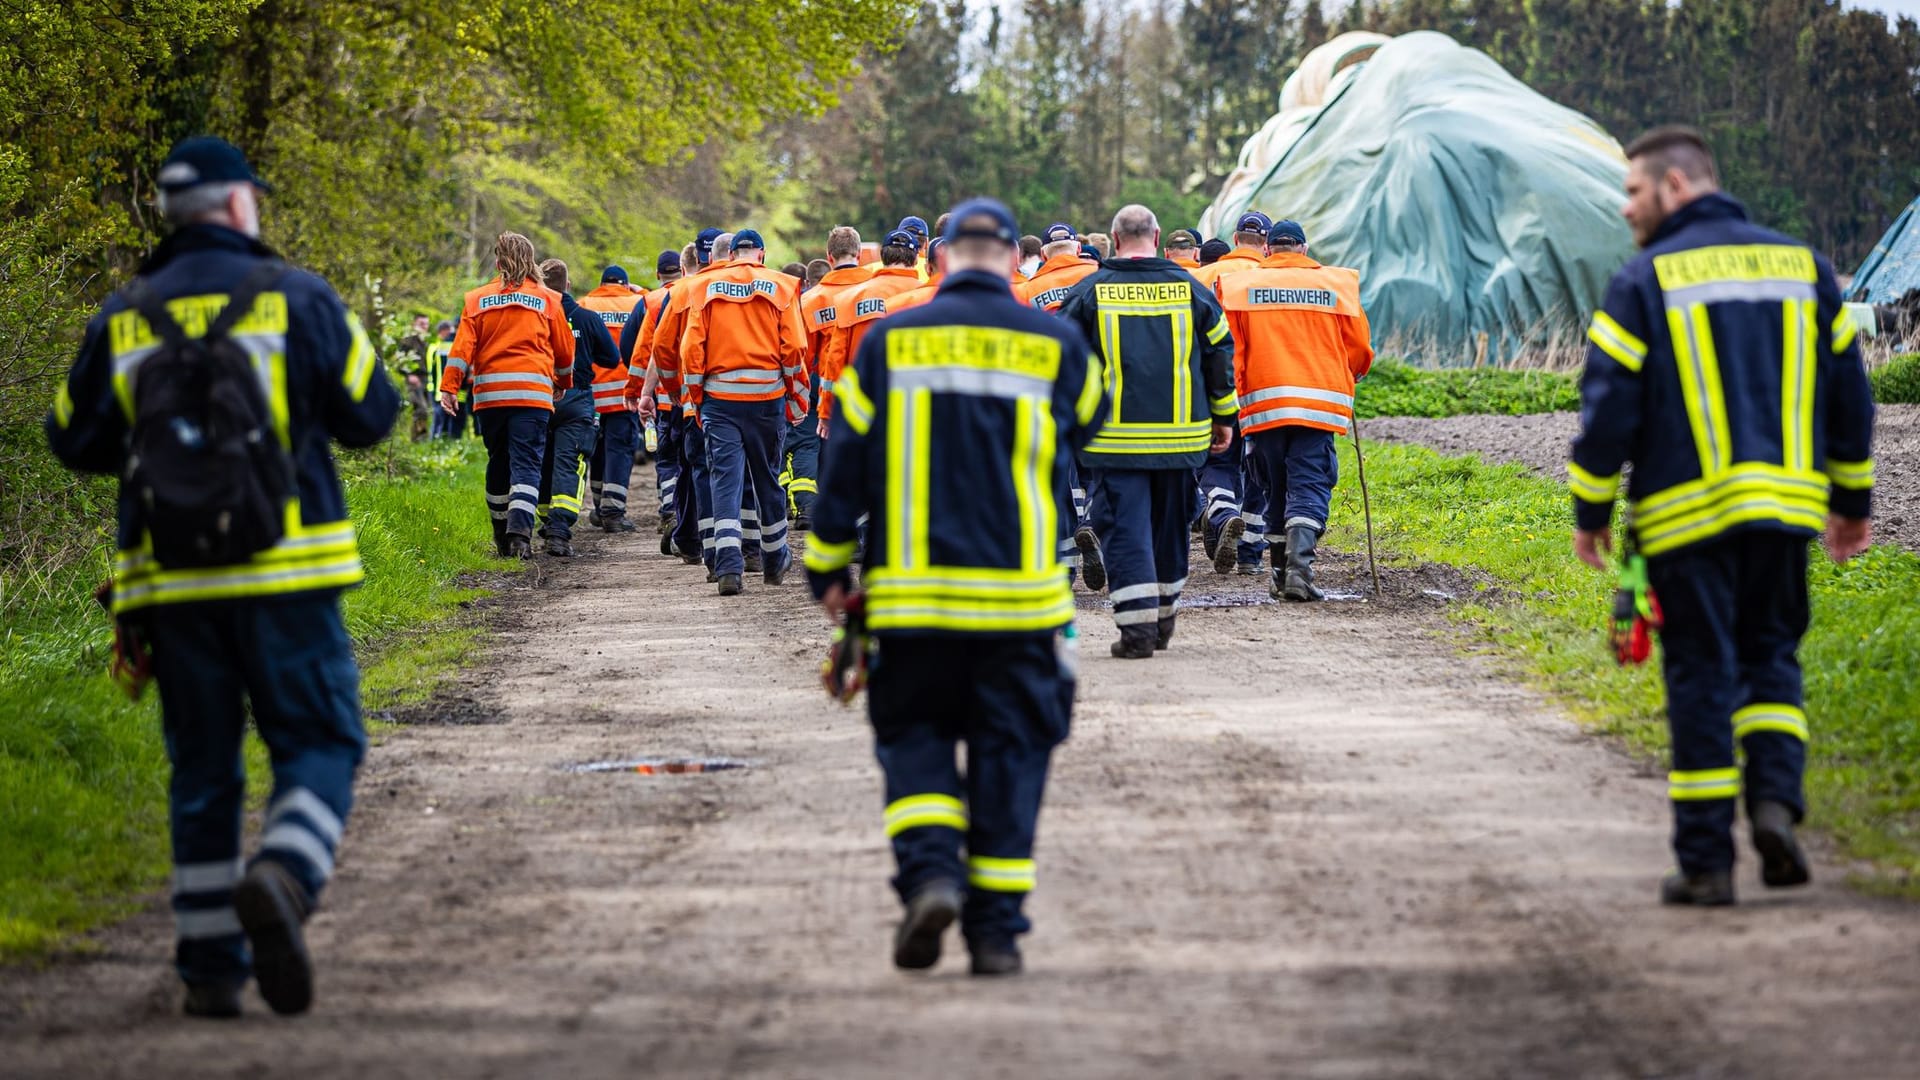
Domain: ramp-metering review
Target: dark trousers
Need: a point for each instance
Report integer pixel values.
(455, 426)
(1008, 700)
(1073, 515)
(802, 456)
(1141, 517)
(516, 441)
(743, 445)
(1735, 610)
(613, 463)
(666, 464)
(291, 661)
(563, 471)
(1297, 468)
(695, 495)
(1226, 493)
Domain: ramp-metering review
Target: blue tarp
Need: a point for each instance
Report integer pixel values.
(1894, 266)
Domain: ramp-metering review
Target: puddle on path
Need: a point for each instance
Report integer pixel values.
(661, 766)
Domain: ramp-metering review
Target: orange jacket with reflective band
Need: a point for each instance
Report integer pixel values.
(614, 304)
(913, 298)
(669, 332)
(1240, 258)
(744, 341)
(1300, 341)
(819, 306)
(514, 345)
(855, 314)
(642, 350)
(1048, 286)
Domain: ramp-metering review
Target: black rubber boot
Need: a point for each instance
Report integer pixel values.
(996, 958)
(1782, 863)
(1163, 634)
(558, 547)
(1297, 578)
(1093, 569)
(1227, 555)
(1136, 643)
(618, 524)
(500, 547)
(519, 546)
(916, 944)
(593, 518)
(751, 557)
(1713, 889)
(730, 584)
(666, 543)
(1209, 540)
(273, 909)
(212, 1001)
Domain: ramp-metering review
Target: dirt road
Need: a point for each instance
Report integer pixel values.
(1304, 843)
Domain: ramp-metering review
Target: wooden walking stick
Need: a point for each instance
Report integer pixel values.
(1366, 505)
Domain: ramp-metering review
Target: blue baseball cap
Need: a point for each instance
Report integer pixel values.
(902, 238)
(667, 263)
(747, 238)
(933, 248)
(915, 225)
(615, 274)
(703, 245)
(205, 159)
(1088, 251)
(1057, 232)
(1254, 221)
(1003, 228)
(1287, 231)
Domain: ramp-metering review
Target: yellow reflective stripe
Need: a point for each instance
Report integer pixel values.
(1089, 401)
(974, 609)
(1616, 341)
(1591, 487)
(1115, 371)
(1105, 444)
(855, 405)
(63, 406)
(1692, 495)
(1000, 875)
(234, 582)
(919, 507)
(919, 811)
(1227, 405)
(361, 360)
(1699, 784)
(1852, 475)
(1219, 331)
(825, 556)
(1031, 472)
(1771, 716)
(1844, 331)
(1700, 509)
(1182, 325)
(1714, 405)
(1798, 355)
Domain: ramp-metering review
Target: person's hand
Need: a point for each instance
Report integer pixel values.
(449, 403)
(834, 603)
(820, 429)
(1593, 546)
(1847, 537)
(646, 407)
(1222, 438)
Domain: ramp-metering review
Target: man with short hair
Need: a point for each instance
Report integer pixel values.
(817, 269)
(570, 431)
(249, 636)
(859, 308)
(1167, 355)
(1212, 250)
(819, 309)
(1047, 289)
(1249, 247)
(1102, 244)
(745, 372)
(693, 535)
(617, 440)
(1183, 249)
(1300, 341)
(956, 423)
(1723, 367)
(1030, 257)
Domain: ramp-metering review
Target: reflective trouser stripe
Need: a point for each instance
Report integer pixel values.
(1000, 875)
(1771, 716)
(1692, 785)
(924, 811)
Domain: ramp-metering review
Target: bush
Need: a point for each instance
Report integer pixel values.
(1897, 382)
(1394, 388)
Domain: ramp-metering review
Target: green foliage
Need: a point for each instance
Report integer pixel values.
(1897, 382)
(82, 770)
(1546, 613)
(1397, 389)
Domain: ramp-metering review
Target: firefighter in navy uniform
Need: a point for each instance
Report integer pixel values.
(1723, 367)
(263, 636)
(955, 424)
(1167, 355)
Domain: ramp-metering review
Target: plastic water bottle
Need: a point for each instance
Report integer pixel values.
(653, 439)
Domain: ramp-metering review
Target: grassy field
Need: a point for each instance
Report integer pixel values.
(1547, 614)
(82, 770)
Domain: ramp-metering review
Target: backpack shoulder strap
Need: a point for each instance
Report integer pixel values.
(144, 300)
(240, 301)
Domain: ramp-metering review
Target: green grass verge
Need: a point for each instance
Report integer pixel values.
(82, 770)
(1547, 613)
(1897, 382)
(1394, 388)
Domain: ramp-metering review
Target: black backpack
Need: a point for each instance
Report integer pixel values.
(207, 475)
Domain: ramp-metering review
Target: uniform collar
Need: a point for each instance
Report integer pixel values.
(976, 281)
(1280, 260)
(1129, 262)
(1245, 253)
(1718, 206)
(608, 288)
(846, 275)
(1186, 264)
(1059, 262)
(896, 271)
(190, 238)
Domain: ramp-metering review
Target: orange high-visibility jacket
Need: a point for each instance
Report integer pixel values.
(614, 303)
(642, 350)
(913, 298)
(820, 305)
(514, 345)
(669, 333)
(1048, 286)
(1240, 258)
(855, 314)
(744, 341)
(1300, 341)
(1188, 265)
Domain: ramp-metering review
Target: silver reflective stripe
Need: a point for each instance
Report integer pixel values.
(726, 542)
(306, 803)
(1134, 592)
(1307, 393)
(513, 376)
(531, 396)
(525, 506)
(456, 362)
(524, 489)
(1314, 415)
(1172, 588)
(211, 923)
(615, 489)
(1726, 292)
(1316, 526)
(773, 545)
(973, 381)
(1135, 618)
(206, 876)
(290, 836)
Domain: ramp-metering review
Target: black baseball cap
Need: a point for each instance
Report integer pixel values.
(1003, 227)
(206, 159)
(748, 240)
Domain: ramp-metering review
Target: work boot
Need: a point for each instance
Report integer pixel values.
(1209, 541)
(803, 523)
(617, 524)
(1136, 643)
(1163, 634)
(729, 584)
(593, 517)
(666, 543)
(1297, 583)
(751, 556)
(212, 1001)
(777, 575)
(1782, 863)
(916, 944)
(691, 558)
(500, 547)
(1093, 570)
(1248, 569)
(558, 547)
(1711, 889)
(519, 546)
(1227, 555)
(668, 522)
(272, 907)
(995, 958)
